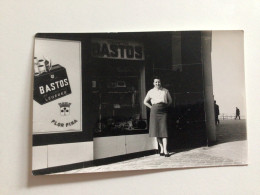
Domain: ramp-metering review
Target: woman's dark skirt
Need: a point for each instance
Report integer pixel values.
(158, 121)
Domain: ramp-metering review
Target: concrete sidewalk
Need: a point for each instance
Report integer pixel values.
(230, 149)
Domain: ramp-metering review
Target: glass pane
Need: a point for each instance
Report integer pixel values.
(116, 105)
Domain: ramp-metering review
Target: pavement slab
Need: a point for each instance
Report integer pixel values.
(230, 150)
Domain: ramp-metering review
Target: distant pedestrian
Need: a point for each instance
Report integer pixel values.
(237, 113)
(216, 109)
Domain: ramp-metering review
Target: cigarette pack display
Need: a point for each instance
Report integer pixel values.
(51, 85)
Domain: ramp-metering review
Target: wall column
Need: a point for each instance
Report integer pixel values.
(176, 59)
(206, 38)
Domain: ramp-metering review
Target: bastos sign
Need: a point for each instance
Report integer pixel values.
(51, 85)
(57, 86)
(117, 49)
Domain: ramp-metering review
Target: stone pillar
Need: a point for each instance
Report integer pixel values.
(176, 59)
(206, 38)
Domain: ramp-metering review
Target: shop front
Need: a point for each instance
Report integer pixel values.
(116, 77)
(116, 73)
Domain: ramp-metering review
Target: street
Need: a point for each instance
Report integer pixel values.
(230, 149)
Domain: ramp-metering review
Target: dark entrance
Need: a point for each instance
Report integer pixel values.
(176, 58)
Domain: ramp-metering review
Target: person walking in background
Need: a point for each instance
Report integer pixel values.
(216, 109)
(237, 113)
(158, 99)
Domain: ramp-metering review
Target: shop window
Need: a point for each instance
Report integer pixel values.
(117, 92)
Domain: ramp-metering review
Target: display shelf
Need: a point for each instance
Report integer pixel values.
(113, 76)
(113, 92)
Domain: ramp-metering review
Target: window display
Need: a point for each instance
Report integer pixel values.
(117, 93)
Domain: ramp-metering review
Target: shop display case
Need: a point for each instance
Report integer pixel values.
(118, 100)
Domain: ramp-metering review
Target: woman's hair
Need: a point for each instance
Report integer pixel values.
(157, 77)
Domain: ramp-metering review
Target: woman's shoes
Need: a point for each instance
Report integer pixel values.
(167, 155)
(162, 154)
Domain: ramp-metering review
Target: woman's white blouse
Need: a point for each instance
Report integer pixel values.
(157, 96)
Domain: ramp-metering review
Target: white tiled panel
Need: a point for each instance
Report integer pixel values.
(63, 154)
(109, 146)
(39, 157)
(140, 142)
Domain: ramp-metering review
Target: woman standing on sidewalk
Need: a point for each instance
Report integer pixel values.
(158, 99)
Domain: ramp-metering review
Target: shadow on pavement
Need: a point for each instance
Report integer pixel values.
(231, 130)
(176, 151)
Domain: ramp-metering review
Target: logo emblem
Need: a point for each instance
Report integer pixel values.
(64, 108)
(64, 111)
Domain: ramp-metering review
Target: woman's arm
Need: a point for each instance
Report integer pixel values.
(169, 98)
(146, 101)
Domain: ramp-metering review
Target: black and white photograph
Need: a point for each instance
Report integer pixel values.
(129, 97)
(105, 102)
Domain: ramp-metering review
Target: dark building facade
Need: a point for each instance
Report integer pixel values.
(117, 71)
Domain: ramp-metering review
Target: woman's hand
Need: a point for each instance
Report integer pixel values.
(147, 100)
(148, 105)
